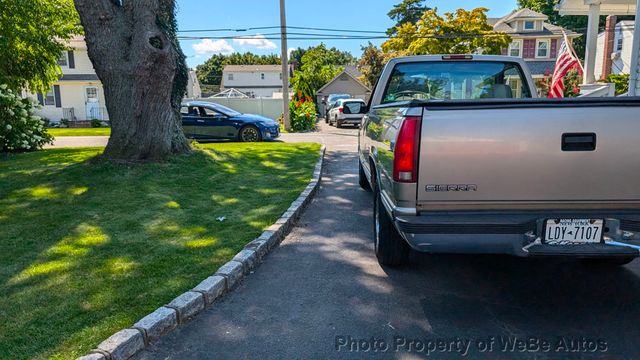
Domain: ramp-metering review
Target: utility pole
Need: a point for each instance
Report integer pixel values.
(285, 65)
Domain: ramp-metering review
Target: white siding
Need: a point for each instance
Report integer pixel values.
(252, 82)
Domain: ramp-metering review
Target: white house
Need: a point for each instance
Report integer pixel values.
(253, 80)
(78, 94)
(615, 58)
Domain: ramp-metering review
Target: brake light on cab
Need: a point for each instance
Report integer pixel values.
(405, 153)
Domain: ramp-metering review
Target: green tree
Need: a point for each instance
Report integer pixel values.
(32, 38)
(333, 56)
(462, 32)
(371, 64)
(319, 66)
(408, 11)
(134, 49)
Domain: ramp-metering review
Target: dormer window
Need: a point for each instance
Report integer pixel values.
(63, 60)
(529, 25)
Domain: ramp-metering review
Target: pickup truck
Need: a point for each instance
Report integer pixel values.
(463, 157)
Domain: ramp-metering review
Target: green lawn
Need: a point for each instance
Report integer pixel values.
(79, 131)
(87, 248)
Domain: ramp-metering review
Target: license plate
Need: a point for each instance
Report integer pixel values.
(564, 231)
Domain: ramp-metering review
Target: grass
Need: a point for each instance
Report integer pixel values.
(79, 131)
(88, 248)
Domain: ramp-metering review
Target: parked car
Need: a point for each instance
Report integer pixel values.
(463, 158)
(347, 112)
(203, 120)
(331, 101)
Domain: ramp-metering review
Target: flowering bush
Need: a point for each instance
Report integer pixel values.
(20, 130)
(302, 114)
(572, 81)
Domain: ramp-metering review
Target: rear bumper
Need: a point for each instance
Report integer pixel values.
(515, 233)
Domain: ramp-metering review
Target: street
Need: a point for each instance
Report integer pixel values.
(322, 294)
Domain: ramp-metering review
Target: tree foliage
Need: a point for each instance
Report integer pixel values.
(371, 64)
(32, 35)
(408, 11)
(210, 72)
(461, 32)
(319, 66)
(333, 56)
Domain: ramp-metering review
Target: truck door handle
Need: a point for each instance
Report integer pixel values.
(578, 142)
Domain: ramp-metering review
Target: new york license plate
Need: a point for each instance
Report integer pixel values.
(562, 231)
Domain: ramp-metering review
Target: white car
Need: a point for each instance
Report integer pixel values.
(347, 112)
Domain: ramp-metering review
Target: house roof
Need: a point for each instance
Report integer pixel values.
(252, 68)
(504, 24)
(525, 14)
(541, 67)
(347, 72)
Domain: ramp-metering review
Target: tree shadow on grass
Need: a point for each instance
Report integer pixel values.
(88, 248)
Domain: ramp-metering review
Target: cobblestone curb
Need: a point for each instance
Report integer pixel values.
(126, 343)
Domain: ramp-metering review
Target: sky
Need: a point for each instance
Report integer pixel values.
(364, 15)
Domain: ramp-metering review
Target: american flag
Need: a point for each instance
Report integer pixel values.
(566, 61)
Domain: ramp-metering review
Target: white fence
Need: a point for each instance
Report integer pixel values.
(271, 108)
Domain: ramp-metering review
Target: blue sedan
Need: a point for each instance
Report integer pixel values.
(203, 120)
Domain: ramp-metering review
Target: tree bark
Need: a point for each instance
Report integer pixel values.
(136, 59)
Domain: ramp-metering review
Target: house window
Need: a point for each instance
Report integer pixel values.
(280, 76)
(619, 44)
(515, 49)
(262, 76)
(230, 76)
(63, 60)
(529, 25)
(50, 98)
(542, 48)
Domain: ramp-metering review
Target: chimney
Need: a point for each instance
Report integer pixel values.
(609, 43)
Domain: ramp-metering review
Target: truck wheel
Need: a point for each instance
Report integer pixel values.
(609, 262)
(391, 248)
(362, 178)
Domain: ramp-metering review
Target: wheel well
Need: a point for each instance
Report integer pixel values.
(374, 176)
(248, 126)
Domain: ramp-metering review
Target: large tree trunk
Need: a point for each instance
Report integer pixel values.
(136, 56)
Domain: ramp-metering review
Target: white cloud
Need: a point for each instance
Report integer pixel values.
(257, 41)
(208, 46)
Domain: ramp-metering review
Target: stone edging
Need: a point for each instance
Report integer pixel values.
(126, 343)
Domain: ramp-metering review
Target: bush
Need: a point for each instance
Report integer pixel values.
(572, 81)
(64, 122)
(20, 130)
(303, 115)
(95, 123)
(621, 81)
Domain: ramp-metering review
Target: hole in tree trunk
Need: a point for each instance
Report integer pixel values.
(156, 42)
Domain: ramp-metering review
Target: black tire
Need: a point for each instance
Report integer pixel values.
(391, 248)
(249, 133)
(609, 262)
(338, 123)
(362, 178)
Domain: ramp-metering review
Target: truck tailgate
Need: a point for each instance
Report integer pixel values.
(474, 158)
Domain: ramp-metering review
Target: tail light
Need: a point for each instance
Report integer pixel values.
(340, 109)
(405, 158)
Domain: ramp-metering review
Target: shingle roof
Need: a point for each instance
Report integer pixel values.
(541, 67)
(252, 68)
(502, 24)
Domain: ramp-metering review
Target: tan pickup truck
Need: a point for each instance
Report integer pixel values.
(463, 157)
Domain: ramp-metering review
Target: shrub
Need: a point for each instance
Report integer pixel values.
(95, 123)
(572, 81)
(303, 115)
(20, 130)
(64, 122)
(621, 81)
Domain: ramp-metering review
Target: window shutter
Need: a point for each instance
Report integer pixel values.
(56, 94)
(72, 60)
(40, 98)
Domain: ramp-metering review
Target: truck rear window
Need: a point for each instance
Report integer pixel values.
(456, 80)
